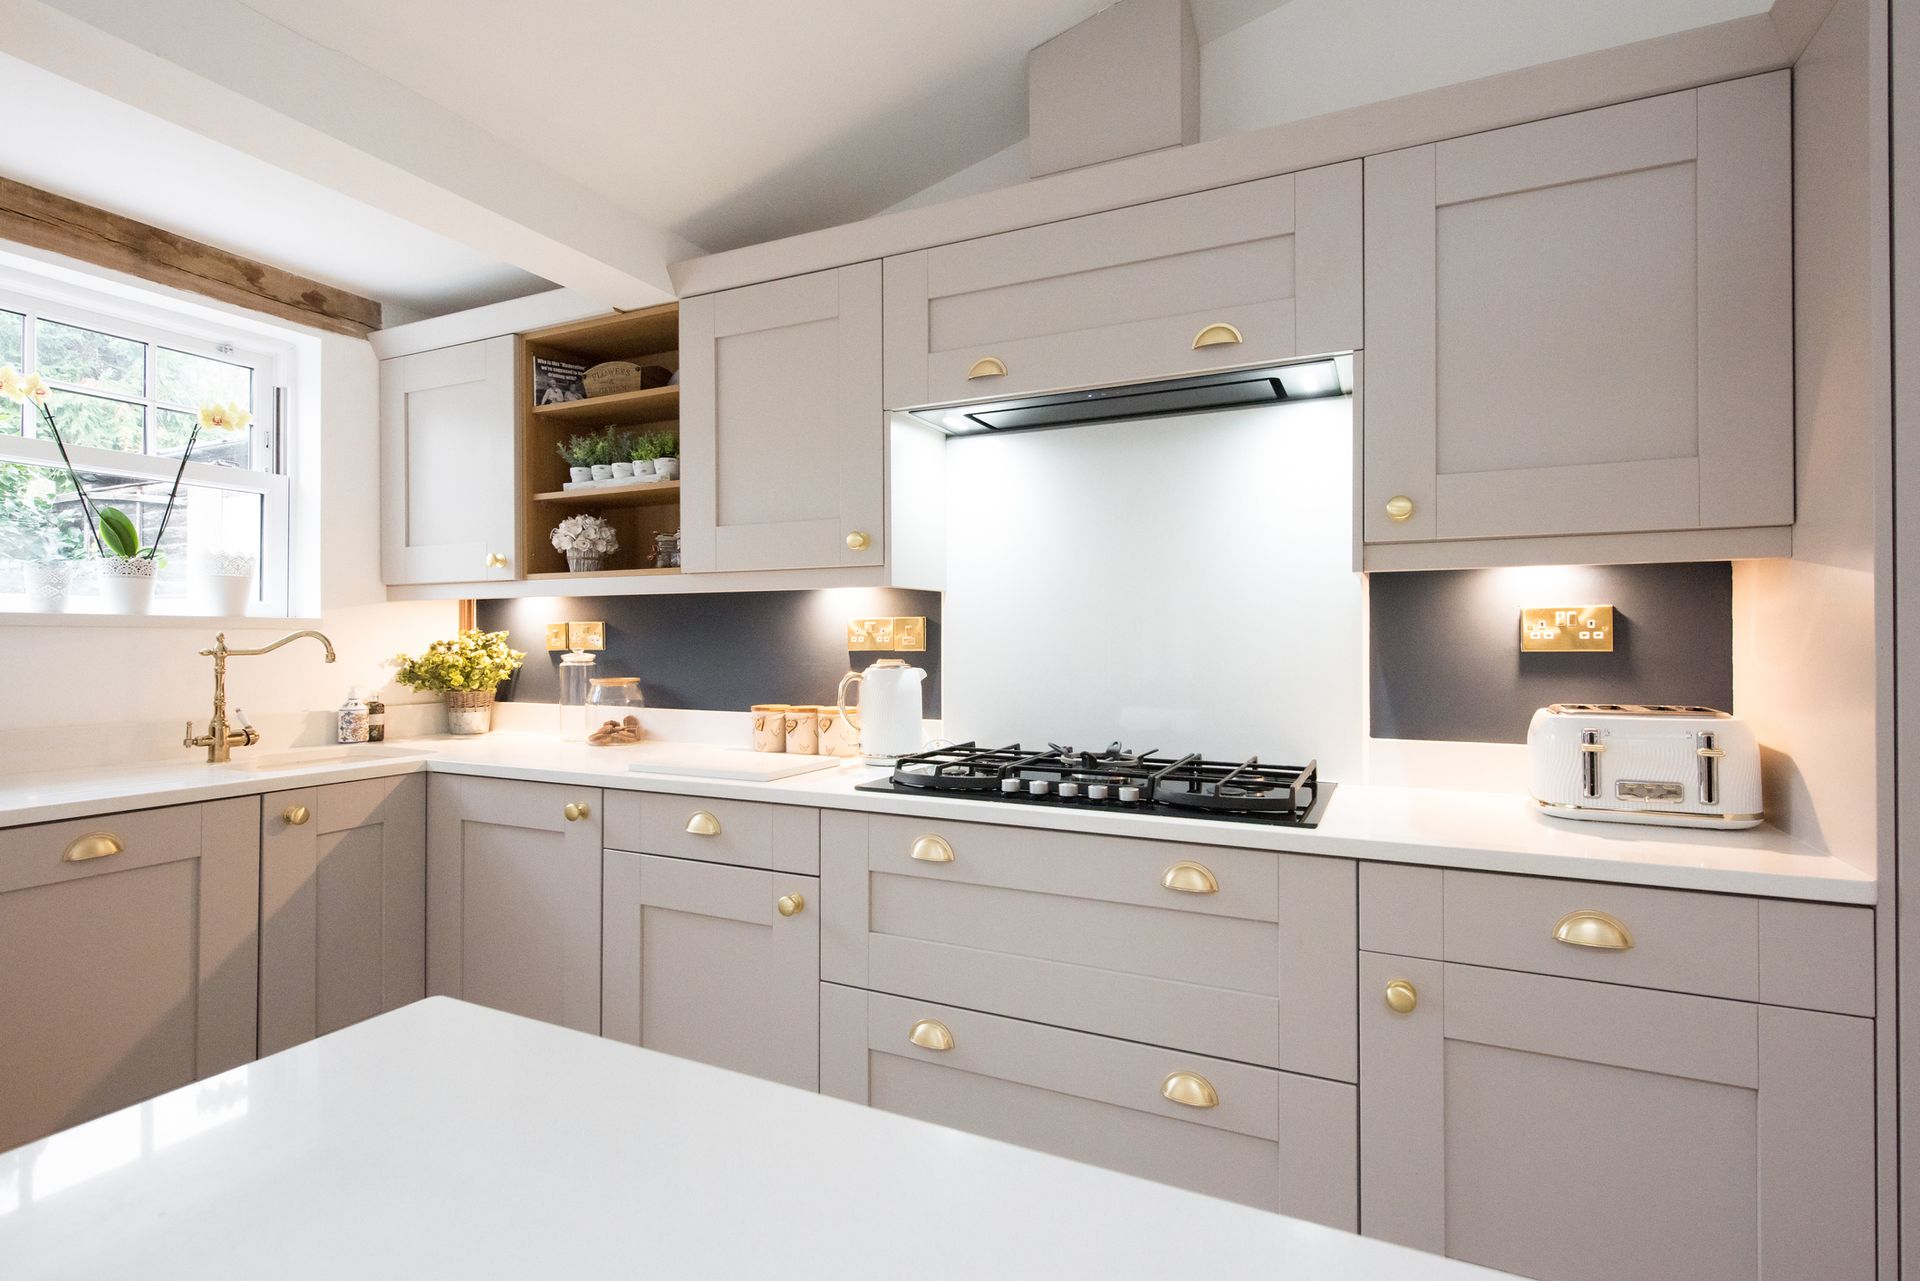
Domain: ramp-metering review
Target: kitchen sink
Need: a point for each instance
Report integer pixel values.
(304, 758)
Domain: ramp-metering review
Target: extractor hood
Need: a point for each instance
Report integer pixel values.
(1232, 389)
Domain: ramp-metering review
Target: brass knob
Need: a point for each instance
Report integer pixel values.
(987, 367)
(1189, 877)
(576, 812)
(1587, 928)
(931, 849)
(296, 815)
(791, 904)
(1401, 998)
(703, 824)
(931, 1034)
(1218, 335)
(98, 845)
(1190, 1089)
(1399, 507)
(858, 541)
(496, 561)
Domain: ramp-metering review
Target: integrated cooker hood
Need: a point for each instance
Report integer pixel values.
(1315, 379)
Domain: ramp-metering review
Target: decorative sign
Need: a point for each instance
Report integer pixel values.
(1567, 629)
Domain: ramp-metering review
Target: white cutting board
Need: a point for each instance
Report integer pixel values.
(697, 761)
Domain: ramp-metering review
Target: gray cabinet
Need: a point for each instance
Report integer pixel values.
(1577, 1131)
(448, 464)
(1260, 272)
(513, 897)
(715, 963)
(1583, 326)
(782, 443)
(129, 948)
(343, 905)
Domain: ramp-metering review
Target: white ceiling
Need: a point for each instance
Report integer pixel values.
(92, 148)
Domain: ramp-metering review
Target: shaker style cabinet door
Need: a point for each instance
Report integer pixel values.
(343, 905)
(1576, 1131)
(447, 464)
(128, 946)
(1584, 325)
(513, 897)
(782, 438)
(715, 963)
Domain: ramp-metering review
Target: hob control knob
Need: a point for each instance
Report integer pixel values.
(1097, 791)
(1069, 789)
(1039, 787)
(1010, 785)
(1129, 793)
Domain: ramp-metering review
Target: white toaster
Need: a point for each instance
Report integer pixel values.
(1628, 763)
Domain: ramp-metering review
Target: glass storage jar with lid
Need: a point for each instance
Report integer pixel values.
(614, 698)
(576, 671)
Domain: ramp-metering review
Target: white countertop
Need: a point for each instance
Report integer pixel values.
(1486, 831)
(447, 1140)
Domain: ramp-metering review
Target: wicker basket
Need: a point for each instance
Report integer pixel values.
(623, 375)
(469, 711)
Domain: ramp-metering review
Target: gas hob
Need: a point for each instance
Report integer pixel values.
(1115, 780)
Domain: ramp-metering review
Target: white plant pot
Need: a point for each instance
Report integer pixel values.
(623, 471)
(579, 475)
(50, 585)
(602, 471)
(667, 468)
(225, 587)
(643, 469)
(126, 586)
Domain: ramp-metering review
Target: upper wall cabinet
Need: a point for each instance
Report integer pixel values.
(447, 464)
(1583, 326)
(782, 438)
(1263, 271)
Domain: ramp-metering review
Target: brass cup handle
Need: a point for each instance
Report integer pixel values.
(1190, 1090)
(496, 560)
(987, 367)
(931, 1034)
(96, 845)
(1399, 507)
(703, 824)
(791, 904)
(1597, 930)
(296, 815)
(1189, 877)
(1217, 335)
(577, 811)
(858, 541)
(931, 849)
(1401, 998)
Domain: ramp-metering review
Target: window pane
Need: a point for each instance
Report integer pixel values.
(96, 421)
(85, 358)
(13, 328)
(39, 519)
(204, 521)
(186, 379)
(172, 427)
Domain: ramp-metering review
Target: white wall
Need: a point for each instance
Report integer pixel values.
(1184, 583)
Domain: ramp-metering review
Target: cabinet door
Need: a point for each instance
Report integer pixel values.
(1575, 1131)
(782, 442)
(343, 906)
(128, 950)
(715, 963)
(1584, 325)
(513, 897)
(448, 496)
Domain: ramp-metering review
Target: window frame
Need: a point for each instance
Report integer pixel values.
(270, 365)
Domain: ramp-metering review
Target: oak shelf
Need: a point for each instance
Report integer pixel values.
(641, 493)
(649, 405)
(606, 573)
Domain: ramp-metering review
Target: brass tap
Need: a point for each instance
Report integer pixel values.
(221, 738)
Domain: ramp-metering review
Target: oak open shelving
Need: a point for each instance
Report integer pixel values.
(641, 493)
(651, 405)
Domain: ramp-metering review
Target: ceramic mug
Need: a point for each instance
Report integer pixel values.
(838, 737)
(770, 727)
(803, 730)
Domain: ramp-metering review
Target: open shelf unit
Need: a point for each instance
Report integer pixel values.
(637, 511)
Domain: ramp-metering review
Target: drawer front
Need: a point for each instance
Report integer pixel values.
(1082, 932)
(34, 855)
(785, 838)
(1264, 1138)
(1811, 955)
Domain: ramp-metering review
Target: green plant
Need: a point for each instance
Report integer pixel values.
(668, 443)
(119, 536)
(577, 451)
(644, 447)
(471, 660)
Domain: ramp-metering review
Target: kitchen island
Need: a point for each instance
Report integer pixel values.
(447, 1140)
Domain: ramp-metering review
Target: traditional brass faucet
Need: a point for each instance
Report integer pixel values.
(220, 740)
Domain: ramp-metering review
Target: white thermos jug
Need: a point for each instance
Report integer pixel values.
(888, 716)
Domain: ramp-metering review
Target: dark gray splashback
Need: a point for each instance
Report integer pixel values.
(1445, 652)
(721, 651)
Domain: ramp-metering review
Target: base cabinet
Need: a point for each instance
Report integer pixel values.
(343, 906)
(1270, 1139)
(513, 897)
(128, 946)
(1577, 1131)
(715, 963)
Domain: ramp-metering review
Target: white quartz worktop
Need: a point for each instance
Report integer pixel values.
(447, 1140)
(1486, 831)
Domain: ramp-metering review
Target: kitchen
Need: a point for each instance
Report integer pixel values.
(1202, 613)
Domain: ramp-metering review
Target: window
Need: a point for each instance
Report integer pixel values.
(126, 397)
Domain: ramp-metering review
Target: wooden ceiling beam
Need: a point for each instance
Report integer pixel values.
(30, 216)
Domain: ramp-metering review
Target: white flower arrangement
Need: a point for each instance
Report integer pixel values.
(585, 536)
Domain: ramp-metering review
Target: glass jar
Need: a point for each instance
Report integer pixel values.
(576, 676)
(615, 698)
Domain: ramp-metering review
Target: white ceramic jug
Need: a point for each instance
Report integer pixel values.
(888, 716)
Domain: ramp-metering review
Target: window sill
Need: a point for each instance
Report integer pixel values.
(12, 615)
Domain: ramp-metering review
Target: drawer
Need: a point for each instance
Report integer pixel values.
(1811, 955)
(785, 838)
(1083, 932)
(33, 855)
(1249, 1134)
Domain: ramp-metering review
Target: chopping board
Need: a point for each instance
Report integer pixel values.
(694, 760)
